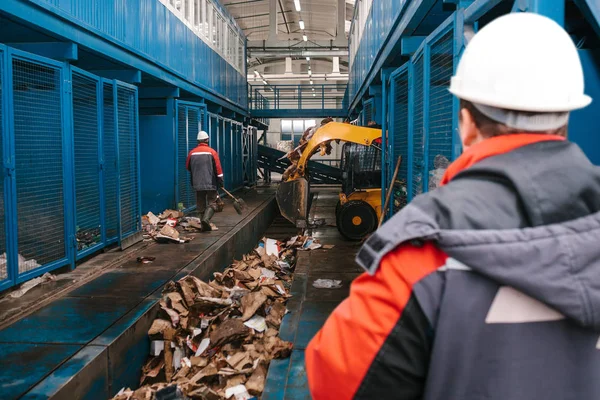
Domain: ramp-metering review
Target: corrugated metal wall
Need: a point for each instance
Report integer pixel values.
(149, 29)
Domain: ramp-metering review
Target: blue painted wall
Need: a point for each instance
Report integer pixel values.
(583, 127)
(147, 28)
(157, 163)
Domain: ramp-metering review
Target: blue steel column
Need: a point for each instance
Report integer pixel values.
(426, 78)
(411, 122)
(101, 159)
(554, 9)
(68, 163)
(384, 142)
(118, 158)
(459, 43)
(136, 109)
(10, 186)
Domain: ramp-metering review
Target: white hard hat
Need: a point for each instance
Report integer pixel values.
(202, 136)
(522, 62)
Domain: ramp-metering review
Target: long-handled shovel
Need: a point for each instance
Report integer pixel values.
(238, 204)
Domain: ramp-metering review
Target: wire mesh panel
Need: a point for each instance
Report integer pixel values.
(38, 136)
(368, 111)
(3, 254)
(87, 158)
(193, 126)
(399, 138)
(182, 153)
(418, 145)
(127, 120)
(109, 143)
(440, 151)
(246, 154)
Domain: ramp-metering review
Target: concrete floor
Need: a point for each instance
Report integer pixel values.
(309, 307)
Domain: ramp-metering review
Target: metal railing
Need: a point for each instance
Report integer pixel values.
(297, 97)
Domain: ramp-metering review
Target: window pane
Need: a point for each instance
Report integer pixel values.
(207, 19)
(187, 9)
(286, 126)
(310, 123)
(298, 126)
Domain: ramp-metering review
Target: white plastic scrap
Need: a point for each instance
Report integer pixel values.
(27, 286)
(271, 247)
(156, 347)
(327, 284)
(267, 273)
(257, 323)
(202, 347)
(153, 219)
(240, 392)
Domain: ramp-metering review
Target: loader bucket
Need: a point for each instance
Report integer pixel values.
(292, 198)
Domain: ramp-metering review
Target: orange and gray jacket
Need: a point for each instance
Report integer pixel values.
(205, 168)
(486, 288)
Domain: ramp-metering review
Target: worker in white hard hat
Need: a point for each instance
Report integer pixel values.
(489, 286)
(207, 177)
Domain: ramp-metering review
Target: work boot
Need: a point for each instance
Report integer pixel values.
(208, 214)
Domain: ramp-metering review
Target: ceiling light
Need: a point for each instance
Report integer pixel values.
(311, 82)
(305, 38)
(307, 58)
(314, 95)
(301, 23)
(297, 4)
(265, 82)
(256, 73)
(309, 72)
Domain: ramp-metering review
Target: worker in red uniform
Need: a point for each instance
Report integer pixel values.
(489, 286)
(207, 177)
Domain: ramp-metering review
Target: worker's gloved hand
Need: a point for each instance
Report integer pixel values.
(220, 182)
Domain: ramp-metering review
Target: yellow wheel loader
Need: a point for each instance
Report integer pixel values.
(359, 208)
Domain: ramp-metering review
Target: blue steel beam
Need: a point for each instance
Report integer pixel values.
(479, 8)
(410, 44)
(591, 11)
(158, 92)
(56, 50)
(554, 9)
(413, 14)
(28, 14)
(294, 113)
(123, 75)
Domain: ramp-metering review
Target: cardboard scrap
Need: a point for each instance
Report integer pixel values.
(251, 303)
(214, 340)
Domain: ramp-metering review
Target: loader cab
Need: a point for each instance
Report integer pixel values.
(358, 211)
(361, 167)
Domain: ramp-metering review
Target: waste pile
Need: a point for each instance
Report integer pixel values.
(215, 340)
(400, 194)
(168, 226)
(87, 238)
(440, 163)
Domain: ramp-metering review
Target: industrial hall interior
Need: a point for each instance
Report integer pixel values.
(300, 199)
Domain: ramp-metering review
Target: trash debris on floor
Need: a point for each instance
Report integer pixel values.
(307, 243)
(145, 260)
(327, 284)
(167, 227)
(87, 238)
(27, 286)
(215, 340)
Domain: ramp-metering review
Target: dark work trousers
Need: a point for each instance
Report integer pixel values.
(206, 198)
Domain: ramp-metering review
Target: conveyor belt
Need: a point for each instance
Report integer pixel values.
(319, 173)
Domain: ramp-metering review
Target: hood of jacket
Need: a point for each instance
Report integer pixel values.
(541, 235)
